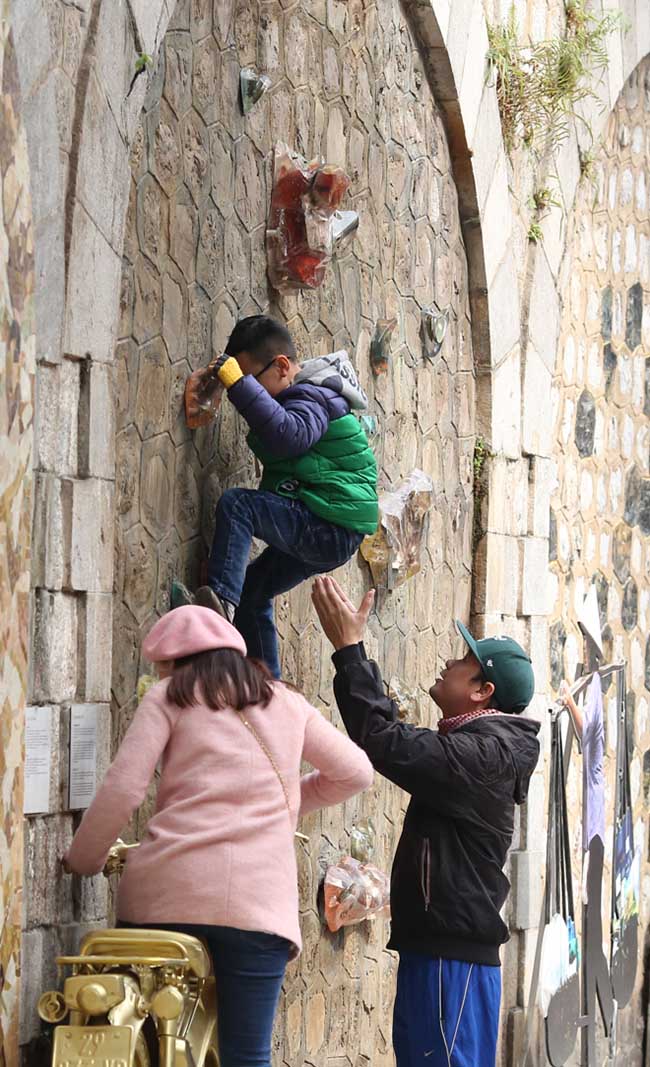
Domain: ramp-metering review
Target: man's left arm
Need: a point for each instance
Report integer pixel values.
(415, 758)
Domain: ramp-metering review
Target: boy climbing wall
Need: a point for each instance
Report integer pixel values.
(318, 494)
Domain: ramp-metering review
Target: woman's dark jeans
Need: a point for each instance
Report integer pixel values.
(249, 969)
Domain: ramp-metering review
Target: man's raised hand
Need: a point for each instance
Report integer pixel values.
(342, 623)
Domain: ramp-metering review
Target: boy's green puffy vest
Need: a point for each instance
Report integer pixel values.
(336, 479)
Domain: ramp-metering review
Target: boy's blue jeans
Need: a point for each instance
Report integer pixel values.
(300, 545)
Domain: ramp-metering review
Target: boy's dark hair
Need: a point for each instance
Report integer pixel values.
(263, 338)
(224, 679)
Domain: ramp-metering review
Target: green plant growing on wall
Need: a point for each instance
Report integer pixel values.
(482, 452)
(142, 62)
(535, 232)
(539, 86)
(543, 199)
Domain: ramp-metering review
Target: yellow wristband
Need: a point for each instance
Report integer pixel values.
(230, 373)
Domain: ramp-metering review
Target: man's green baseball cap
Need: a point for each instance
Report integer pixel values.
(506, 665)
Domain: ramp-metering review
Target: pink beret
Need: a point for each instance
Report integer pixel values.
(187, 630)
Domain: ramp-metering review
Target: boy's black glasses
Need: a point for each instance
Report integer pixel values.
(265, 368)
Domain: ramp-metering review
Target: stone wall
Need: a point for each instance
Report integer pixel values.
(80, 104)
(348, 84)
(600, 518)
(16, 413)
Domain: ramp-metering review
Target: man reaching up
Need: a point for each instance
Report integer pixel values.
(447, 883)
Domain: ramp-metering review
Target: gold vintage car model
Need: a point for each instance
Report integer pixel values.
(134, 998)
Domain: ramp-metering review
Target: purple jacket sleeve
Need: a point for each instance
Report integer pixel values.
(289, 428)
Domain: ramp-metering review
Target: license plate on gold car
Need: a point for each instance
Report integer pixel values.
(92, 1046)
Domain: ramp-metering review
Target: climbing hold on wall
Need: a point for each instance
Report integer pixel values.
(299, 236)
(434, 329)
(362, 840)
(380, 345)
(203, 392)
(394, 551)
(408, 705)
(179, 596)
(252, 86)
(344, 225)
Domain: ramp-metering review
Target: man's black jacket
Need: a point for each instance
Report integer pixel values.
(447, 883)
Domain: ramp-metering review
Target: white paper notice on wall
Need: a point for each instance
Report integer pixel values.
(83, 755)
(38, 760)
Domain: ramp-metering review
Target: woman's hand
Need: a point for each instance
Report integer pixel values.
(342, 623)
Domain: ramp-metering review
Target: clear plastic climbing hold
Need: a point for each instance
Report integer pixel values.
(407, 700)
(300, 234)
(394, 551)
(203, 393)
(355, 891)
(380, 345)
(362, 840)
(252, 87)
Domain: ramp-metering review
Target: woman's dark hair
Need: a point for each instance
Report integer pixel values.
(224, 678)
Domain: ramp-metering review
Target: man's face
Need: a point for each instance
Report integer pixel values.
(277, 375)
(460, 687)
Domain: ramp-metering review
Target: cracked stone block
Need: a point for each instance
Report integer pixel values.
(157, 485)
(127, 469)
(167, 154)
(184, 234)
(97, 420)
(196, 157)
(91, 543)
(54, 649)
(205, 81)
(140, 572)
(127, 638)
(223, 176)
(187, 502)
(210, 259)
(152, 396)
(95, 646)
(147, 315)
(199, 328)
(152, 218)
(48, 896)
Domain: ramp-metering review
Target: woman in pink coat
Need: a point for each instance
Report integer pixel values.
(217, 859)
